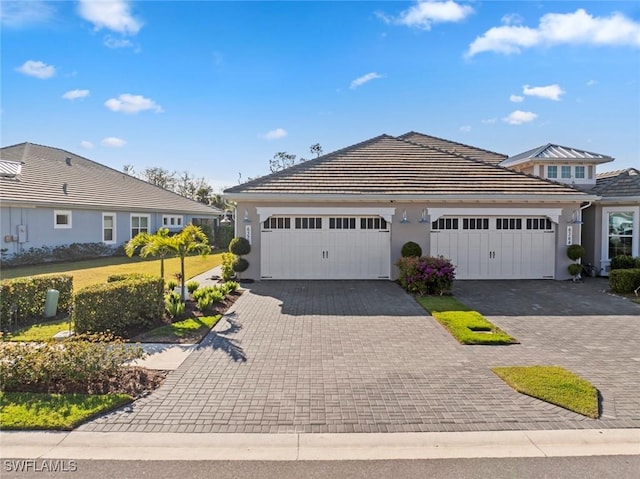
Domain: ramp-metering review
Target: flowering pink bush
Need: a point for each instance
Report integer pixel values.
(426, 275)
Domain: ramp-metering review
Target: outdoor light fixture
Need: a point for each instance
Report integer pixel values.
(226, 220)
(423, 216)
(575, 220)
(404, 217)
(246, 217)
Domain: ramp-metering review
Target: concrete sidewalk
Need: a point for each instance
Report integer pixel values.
(325, 447)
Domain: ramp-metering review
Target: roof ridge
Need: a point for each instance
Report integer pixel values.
(451, 141)
(612, 173)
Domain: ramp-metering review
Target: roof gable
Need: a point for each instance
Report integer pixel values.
(618, 183)
(387, 166)
(55, 177)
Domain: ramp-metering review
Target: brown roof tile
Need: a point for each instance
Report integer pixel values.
(618, 183)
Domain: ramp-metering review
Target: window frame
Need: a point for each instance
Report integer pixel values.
(113, 228)
(139, 215)
(167, 221)
(66, 213)
(635, 231)
(565, 169)
(555, 172)
(584, 172)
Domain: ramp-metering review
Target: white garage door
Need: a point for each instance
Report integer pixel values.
(496, 247)
(325, 247)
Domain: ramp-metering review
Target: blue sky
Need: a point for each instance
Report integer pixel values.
(217, 88)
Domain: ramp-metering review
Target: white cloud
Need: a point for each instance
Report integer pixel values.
(551, 92)
(127, 103)
(574, 28)
(275, 134)
(16, 14)
(113, 142)
(37, 69)
(519, 117)
(425, 13)
(86, 144)
(113, 15)
(489, 121)
(111, 42)
(74, 94)
(364, 79)
(465, 128)
(512, 19)
(592, 82)
(516, 98)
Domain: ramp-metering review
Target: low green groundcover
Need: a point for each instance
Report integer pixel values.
(41, 331)
(470, 327)
(554, 385)
(54, 411)
(189, 330)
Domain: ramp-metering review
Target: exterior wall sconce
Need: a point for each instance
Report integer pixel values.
(229, 217)
(404, 217)
(423, 216)
(246, 217)
(575, 219)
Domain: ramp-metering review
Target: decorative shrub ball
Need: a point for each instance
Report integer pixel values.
(410, 249)
(239, 246)
(575, 269)
(240, 265)
(575, 252)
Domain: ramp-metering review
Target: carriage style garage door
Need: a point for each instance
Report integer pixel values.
(496, 247)
(325, 247)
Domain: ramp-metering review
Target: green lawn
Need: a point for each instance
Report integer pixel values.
(190, 330)
(95, 271)
(54, 411)
(554, 385)
(40, 332)
(467, 326)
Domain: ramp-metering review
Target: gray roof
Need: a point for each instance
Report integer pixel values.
(556, 152)
(57, 178)
(619, 183)
(454, 147)
(386, 166)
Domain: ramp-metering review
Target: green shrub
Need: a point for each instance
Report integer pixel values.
(124, 277)
(240, 265)
(25, 297)
(624, 281)
(574, 269)
(119, 306)
(240, 246)
(425, 275)
(575, 252)
(172, 284)
(173, 304)
(205, 302)
(223, 235)
(83, 362)
(411, 249)
(229, 287)
(192, 286)
(70, 252)
(624, 261)
(227, 266)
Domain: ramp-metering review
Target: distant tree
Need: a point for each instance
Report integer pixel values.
(160, 177)
(315, 149)
(203, 195)
(281, 161)
(128, 169)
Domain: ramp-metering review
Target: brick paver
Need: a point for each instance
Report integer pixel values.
(358, 356)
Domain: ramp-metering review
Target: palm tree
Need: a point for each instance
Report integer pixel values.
(149, 245)
(190, 240)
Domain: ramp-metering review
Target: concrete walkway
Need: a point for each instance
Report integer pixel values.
(358, 356)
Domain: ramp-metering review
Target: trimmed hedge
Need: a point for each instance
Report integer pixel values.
(26, 296)
(624, 280)
(121, 306)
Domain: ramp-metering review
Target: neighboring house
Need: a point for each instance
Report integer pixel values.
(612, 224)
(346, 215)
(51, 197)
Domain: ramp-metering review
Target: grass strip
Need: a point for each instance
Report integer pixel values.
(554, 385)
(441, 303)
(40, 332)
(470, 327)
(187, 330)
(54, 411)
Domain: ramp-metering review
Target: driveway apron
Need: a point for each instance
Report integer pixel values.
(363, 356)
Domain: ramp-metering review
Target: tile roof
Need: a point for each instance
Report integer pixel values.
(55, 177)
(618, 183)
(556, 152)
(388, 166)
(454, 147)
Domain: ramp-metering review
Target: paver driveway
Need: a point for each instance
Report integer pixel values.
(357, 356)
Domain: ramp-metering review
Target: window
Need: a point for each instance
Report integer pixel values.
(308, 223)
(475, 223)
(61, 219)
(620, 233)
(509, 223)
(109, 228)
(579, 172)
(539, 224)
(565, 171)
(275, 223)
(445, 224)
(552, 171)
(373, 224)
(342, 223)
(139, 224)
(172, 221)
